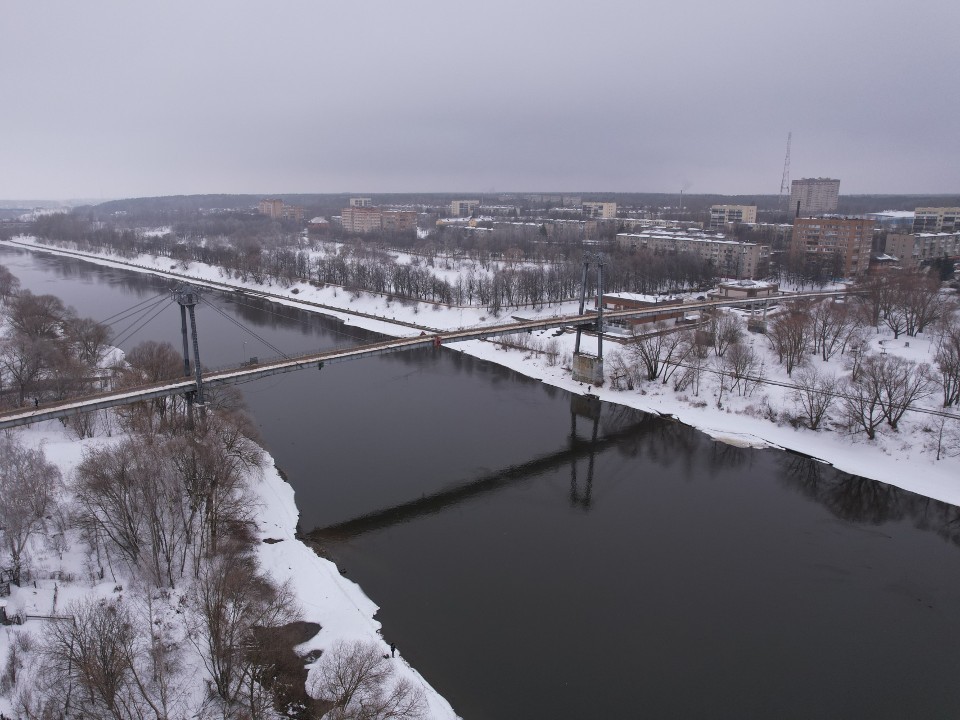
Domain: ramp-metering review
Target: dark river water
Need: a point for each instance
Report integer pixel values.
(535, 556)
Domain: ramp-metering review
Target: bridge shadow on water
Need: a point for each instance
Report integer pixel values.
(597, 427)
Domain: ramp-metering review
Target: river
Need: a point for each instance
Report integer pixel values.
(535, 555)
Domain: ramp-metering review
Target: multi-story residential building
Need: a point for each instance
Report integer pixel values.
(632, 224)
(361, 219)
(399, 220)
(730, 258)
(936, 220)
(361, 202)
(271, 207)
(722, 215)
(850, 238)
(278, 210)
(604, 210)
(463, 208)
(915, 249)
(292, 212)
(814, 196)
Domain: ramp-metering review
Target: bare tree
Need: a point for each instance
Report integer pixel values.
(89, 339)
(896, 320)
(358, 681)
(790, 336)
(920, 300)
(9, 284)
(832, 323)
(22, 362)
(948, 362)
(902, 382)
(28, 485)
(36, 316)
(231, 598)
(744, 368)
(814, 395)
(87, 671)
(861, 404)
(727, 329)
(655, 350)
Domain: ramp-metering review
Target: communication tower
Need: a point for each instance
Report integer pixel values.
(785, 181)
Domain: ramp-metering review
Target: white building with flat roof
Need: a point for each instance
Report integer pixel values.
(723, 215)
(464, 208)
(605, 210)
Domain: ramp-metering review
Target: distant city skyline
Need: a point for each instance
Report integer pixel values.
(105, 99)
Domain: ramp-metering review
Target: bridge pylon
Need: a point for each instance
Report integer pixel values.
(588, 368)
(187, 296)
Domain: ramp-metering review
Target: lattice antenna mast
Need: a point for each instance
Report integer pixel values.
(785, 180)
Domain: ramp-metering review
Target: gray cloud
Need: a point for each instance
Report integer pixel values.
(108, 98)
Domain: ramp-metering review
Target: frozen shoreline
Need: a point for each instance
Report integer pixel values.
(895, 460)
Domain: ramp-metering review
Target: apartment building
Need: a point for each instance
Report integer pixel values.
(813, 196)
(603, 210)
(292, 212)
(361, 219)
(271, 207)
(723, 215)
(463, 208)
(936, 220)
(729, 257)
(912, 250)
(851, 238)
(278, 210)
(398, 220)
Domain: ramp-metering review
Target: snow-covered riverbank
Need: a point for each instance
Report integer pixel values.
(902, 458)
(325, 597)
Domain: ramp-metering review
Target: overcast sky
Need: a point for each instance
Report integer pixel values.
(108, 99)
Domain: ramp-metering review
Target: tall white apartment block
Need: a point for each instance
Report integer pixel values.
(813, 196)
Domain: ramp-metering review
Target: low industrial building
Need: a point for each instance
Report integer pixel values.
(745, 289)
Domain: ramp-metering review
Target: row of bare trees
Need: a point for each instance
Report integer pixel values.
(166, 512)
(879, 389)
(46, 351)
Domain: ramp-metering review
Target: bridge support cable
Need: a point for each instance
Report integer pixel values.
(128, 333)
(132, 310)
(251, 332)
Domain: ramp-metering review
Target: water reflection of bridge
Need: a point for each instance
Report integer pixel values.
(621, 425)
(849, 498)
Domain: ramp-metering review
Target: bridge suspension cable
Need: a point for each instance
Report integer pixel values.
(287, 317)
(130, 310)
(246, 329)
(128, 333)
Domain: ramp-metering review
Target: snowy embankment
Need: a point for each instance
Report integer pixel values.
(901, 458)
(325, 597)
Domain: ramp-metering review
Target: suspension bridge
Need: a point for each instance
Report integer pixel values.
(192, 383)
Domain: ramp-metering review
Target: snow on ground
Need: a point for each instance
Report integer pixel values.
(899, 458)
(337, 604)
(903, 458)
